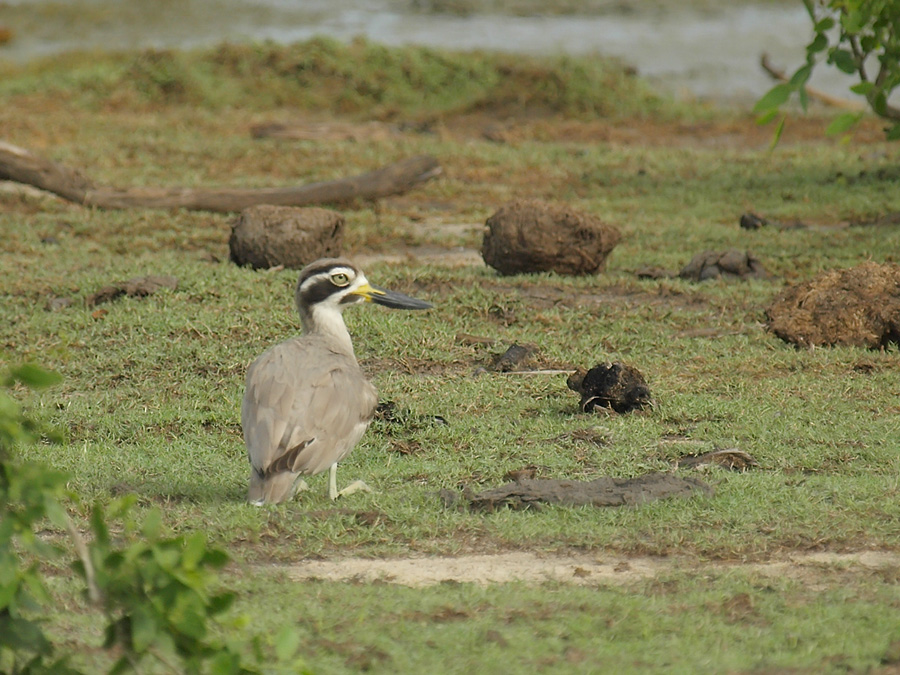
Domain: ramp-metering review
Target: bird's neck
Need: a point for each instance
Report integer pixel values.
(328, 322)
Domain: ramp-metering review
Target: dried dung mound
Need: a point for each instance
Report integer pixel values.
(606, 491)
(858, 307)
(733, 264)
(533, 236)
(267, 236)
(611, 385)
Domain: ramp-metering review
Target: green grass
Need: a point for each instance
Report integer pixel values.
(728, 621)
(151, 393)
(358, 79)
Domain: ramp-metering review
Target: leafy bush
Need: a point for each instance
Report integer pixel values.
(859, 37)
(28, 494)
(153, 591)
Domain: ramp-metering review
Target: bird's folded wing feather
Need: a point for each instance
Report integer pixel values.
(303, 412)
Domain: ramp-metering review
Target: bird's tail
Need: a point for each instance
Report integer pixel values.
(273, 489)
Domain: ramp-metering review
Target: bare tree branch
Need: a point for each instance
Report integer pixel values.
(23, 166)
(94, 593)
(859, 56)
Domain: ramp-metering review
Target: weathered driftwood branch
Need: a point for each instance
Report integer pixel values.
(820, 96)
(22, 166)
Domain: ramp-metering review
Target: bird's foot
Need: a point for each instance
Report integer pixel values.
(355, 486)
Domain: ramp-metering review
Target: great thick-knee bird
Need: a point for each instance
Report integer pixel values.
(307, 403)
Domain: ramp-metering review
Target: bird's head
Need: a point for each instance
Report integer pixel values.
(327, 286)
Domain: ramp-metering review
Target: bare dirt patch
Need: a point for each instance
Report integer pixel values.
(589, 569)
(742, 132)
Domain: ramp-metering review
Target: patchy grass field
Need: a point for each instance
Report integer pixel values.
(151, 393)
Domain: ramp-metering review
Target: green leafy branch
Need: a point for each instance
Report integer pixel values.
(852, 35)
(154, 591)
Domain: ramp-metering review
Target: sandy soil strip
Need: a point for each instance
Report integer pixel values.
(587, 570)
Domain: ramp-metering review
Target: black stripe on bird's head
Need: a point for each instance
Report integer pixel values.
(328, 278)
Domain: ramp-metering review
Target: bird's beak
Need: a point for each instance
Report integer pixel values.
(391, 299)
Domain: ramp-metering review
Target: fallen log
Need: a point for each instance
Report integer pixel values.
(22, 166)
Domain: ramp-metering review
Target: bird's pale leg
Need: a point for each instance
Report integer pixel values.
(355, 486)
(332, 482)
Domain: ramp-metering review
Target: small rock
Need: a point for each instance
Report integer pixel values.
(653, 272)
(525, 473)
(751, 221)
(57, 304)
(512, 358)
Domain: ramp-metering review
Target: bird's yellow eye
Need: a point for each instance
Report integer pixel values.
(340, 279)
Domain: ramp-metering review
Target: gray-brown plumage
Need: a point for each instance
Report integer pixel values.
(307, 403)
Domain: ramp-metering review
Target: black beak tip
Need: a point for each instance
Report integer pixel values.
(396, 300)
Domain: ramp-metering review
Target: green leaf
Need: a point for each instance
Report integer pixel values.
(189, 615)
(23, 634)
(55, 512)
(799, 78)
(121, 666)
(152, 525)
(842, 123)
(98, 526)
(844, 60)
(225, 662)
(803, 96)
(110, 635)
(819, 43)
(825, 24)
(194, 550)
(215, 558)
(862, 88)
(893, 134)
(286, 642)
(778, 130)
(774, 98)
(119, 508)
(762, 120)
(34, 376)
(853, 21)
(220, 603)
(165, 557)
(143, 629)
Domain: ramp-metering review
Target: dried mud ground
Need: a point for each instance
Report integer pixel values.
(810, 569)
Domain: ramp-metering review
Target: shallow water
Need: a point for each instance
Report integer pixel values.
(703, 54)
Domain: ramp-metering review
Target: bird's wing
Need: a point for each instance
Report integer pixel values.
(303, 411)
